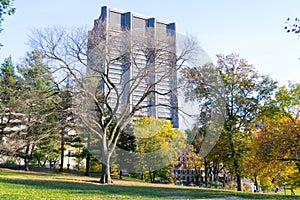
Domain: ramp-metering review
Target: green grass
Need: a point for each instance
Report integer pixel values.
(46, 185)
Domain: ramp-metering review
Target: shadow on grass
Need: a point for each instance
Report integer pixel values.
(37, 171)
(88, 188)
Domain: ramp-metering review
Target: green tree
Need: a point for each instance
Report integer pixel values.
(65, 118)
(126, 143)
(195, 137)
(277, 138)
(6, 7)
(245, 92)
(47, 151)
(36, 104)
(78, 151)
(158, 142)
(288, 102)
(281, 116)
(10, 89)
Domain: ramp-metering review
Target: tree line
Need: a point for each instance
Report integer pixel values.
(259, 138)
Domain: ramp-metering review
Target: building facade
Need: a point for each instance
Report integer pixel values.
(190, 168)
(143, 63)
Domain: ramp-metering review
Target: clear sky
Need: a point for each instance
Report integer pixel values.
(253, 28)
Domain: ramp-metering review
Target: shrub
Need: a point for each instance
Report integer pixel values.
(266, 183)
(231, 185)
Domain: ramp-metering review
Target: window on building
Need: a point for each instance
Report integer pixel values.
(115, 20)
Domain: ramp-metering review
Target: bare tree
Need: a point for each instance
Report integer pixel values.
(119, 77)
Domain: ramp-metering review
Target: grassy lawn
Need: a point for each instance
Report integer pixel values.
(47, 185)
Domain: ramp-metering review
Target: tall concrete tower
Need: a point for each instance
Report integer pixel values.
(137, 66)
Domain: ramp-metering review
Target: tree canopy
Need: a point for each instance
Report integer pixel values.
(157, 144)
(244, 92)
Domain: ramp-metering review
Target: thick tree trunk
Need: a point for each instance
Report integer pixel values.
(238, 175)
(216, 172)
(87, 164)
(105, 176)
(239, 182)
(26, 161)
(236, 165)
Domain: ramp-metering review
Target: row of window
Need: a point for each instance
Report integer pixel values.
(179, 171)
(184, 159)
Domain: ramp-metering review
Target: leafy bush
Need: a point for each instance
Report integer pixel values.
(216, 184)
(266, 183)
(231, 185)
(247, 187)
(10, 161)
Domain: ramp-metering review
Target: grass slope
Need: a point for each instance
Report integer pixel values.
(49, 185)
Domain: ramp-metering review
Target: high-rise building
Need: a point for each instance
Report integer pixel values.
(148, 57)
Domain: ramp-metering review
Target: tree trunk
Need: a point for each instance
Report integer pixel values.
(88, 156)
(238, 175)
(105, 176)
(87, 164)
(26, 161)
(44, 163)
(39, 161)
(205, 172)
(154, 176)
(236, 166)
(216, 172)
(239, 182)
(62, 150)
(256, 184)
(150, 174)
(121, 174)
(27, 157)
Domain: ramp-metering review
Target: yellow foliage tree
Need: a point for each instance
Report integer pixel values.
(157, 143)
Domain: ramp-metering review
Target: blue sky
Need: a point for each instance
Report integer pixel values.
(253, 29)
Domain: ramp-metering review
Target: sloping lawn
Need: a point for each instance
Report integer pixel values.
(47, 185)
